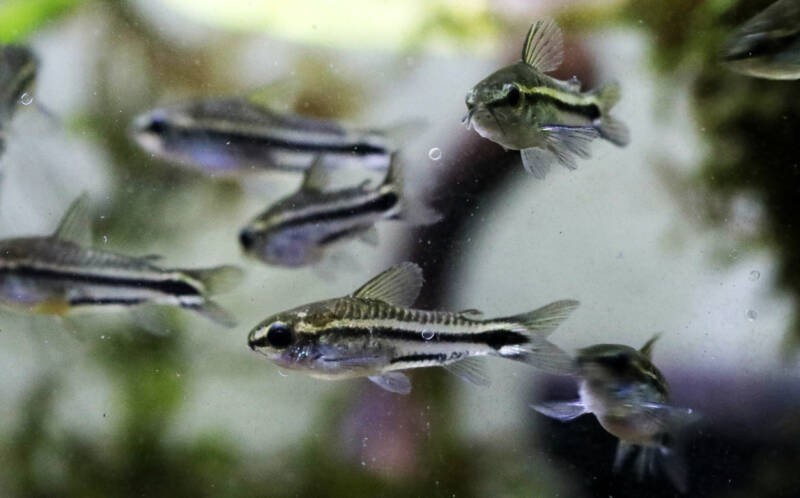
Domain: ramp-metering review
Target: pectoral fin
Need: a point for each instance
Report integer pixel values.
(561, 410)
(565, 142)
(395, 382)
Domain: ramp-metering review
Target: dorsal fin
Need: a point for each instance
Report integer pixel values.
(278, 95)
(75, 225)
(544, 46)
(399, 285)
(316, 178)
(647, 349)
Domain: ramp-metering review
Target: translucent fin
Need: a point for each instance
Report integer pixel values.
(395, 382)
(473, 370)
(471, 313)
(608, 95)
(278, 95)
(543, 321)
(624, 452)
(75, 226)
(561, 410)
(154, 319)
(401, 133)
(412, 210)
(399, 285)
(674, 468)
(647, 349)
(370, 236)
(544, 46)
(218, 279)
(537, 161)
(316, 178)
(215, 313)
(613, 130)
(538, 351)
(568, 141)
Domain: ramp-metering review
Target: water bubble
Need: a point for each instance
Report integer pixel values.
(282, 373)
(26, 99)
(435, 153)
(228, 142)
(105, 239)
(755, 275)
(427, 335)
(752, 315)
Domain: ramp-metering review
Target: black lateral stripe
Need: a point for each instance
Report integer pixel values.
(381, 204)
(83, 301)
(440, 357)
(495, 339)
(172, 287)
(590, 111)
(266, 141)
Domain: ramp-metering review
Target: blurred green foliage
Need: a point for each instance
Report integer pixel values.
(19, 18)
(749, 124)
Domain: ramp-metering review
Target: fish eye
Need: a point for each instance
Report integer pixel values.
(157, 125)
(246, 239)
(512, 95)
(279, 335)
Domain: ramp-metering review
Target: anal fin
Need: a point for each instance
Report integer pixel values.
(396, 382)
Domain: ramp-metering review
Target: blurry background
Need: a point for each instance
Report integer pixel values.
(690, 231)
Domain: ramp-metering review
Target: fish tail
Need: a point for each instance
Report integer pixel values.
(610, 128)
(402, 133)
(218, 279)
(411, 209)
(536, 326)
(214, 312)
(649, 461)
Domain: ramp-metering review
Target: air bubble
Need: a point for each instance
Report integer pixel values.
(427, 335)
(282, 373)
(105, 239)
(435, 153)
(26, 99)
(755, 275)
(752, 315)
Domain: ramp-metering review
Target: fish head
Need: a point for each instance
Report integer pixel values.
(496, 106)
(157, 130)
(284, 338)
(615, 372)
(278, 245)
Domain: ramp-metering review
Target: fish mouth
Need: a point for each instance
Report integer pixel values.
(467, 119)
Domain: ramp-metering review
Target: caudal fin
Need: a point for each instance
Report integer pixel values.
(538, 351)
(609, 127)
(217, 280)
(413, 210)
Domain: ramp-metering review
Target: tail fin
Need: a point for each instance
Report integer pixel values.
(412, 209)
(402, 133)
(538, 351)
(649, 461)
(218, 279)
(215, 313)
(609, 127)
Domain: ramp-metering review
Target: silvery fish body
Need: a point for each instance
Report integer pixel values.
(57, 274)
(298, 229)
(630, 398)
(373, 333)
(18, 67)
(226, 135)
(548, 120)
(768, 45)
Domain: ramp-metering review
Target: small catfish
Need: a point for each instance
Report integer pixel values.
(226, 135)
(373, 333)
(630, 399)
(58, 273)
(548, 120)
(297, 230)
(18, 67)
(768, 45)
